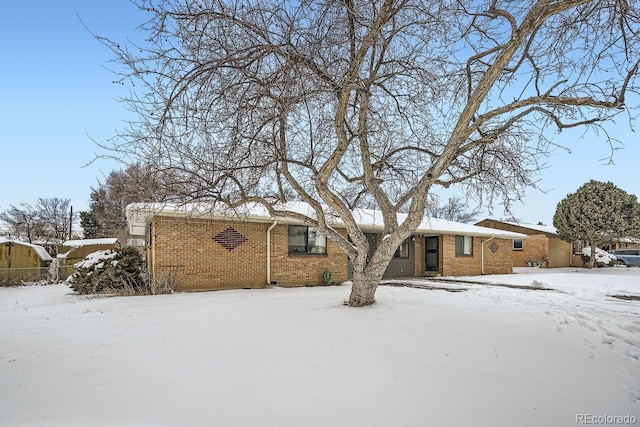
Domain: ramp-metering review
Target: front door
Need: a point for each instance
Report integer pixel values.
(431, 253)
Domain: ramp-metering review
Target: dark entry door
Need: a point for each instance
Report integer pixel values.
(431, 253)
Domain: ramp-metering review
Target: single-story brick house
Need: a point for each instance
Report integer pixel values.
(205, 250)
(543, 247)
(74, 251)
(20, 261)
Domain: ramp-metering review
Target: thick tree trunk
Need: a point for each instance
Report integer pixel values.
(363, 290)
(592, 258)
(366, 279)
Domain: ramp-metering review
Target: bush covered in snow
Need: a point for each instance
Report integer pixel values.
(603, 258)
(110, 271)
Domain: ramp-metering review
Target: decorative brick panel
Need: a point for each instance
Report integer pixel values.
(230, 239)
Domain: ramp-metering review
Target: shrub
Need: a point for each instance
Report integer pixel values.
(603, 258)
(110, 271)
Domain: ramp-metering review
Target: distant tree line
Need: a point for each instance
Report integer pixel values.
(47, 222)
(106, 216)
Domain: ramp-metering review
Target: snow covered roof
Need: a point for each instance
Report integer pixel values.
(39, 250)
(542, 228)
(88, 242)
(139, 215)
(631, 240)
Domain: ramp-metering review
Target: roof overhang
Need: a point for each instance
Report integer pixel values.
(140, 215)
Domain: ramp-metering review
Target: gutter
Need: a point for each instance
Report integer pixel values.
(482, 252)
(275, 221)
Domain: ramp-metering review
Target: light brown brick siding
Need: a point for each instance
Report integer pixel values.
(207, 254)
(296, 270)
(538, 247)
(559, 253)
(498, 262)
(205, 257)
(535, 248)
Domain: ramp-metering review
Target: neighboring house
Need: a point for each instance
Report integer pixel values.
(543, 247)
(20, 261)
(625, 243)
(205, 250)
(74, 251)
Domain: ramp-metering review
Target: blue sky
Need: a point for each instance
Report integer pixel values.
(57, 95)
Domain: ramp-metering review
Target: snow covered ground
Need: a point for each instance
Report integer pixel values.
(484, 356)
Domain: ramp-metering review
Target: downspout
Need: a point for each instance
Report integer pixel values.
(275, 221)
(482, 253)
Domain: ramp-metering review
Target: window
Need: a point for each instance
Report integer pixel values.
(464, 245)
(517, 244)
(306, 240)
(577, 247)
(403, 250)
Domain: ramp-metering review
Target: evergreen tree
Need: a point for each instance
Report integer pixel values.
(90, 225)
(598, 212)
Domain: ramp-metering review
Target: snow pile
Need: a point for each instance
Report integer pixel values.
(539, 284)
(602, 257)
(96, 259)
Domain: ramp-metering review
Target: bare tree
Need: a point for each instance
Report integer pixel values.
(455, 209)
(46, 222)
(134, 184)
(55, 214)
(22, 223)
(335, 102)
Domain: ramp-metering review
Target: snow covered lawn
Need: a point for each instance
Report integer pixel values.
(485, 356)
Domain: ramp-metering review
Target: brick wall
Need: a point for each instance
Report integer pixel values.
(535, 248)
(559, 253)
(297, 270)
(219, 254)
(539, 246)
(192, 249)
(497, 261)
(207, 255)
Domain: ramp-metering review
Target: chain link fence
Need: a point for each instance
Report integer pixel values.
(20, 276)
